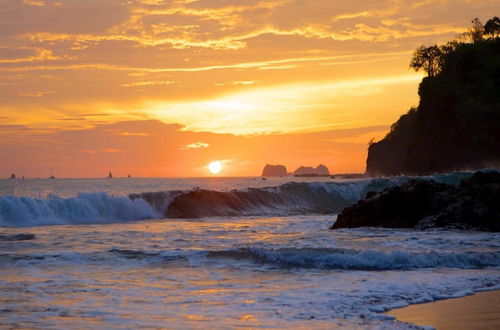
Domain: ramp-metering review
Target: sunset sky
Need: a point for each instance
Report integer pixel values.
(161, 88)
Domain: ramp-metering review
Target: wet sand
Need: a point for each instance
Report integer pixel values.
(479, 311)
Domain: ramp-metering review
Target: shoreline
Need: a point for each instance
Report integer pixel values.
(480, 310)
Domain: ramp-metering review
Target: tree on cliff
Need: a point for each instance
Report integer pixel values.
(476, 32)
(427, 58)
(492, 27)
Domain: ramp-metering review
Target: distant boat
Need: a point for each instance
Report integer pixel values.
(110, 175)
(12, 176)
(129, 176)
(52, 177)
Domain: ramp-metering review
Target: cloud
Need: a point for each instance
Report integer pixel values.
(40, 3)
(284, 108)
(133, 134)
(37, 94)
(228, 27)
(37, 3)
(196, 145)
(263, 65)
(40, 55)
(279, 67)
(354, 15)
(80, 40)
(222, 28)
(148, 83)
(101, 151)
(245, 82)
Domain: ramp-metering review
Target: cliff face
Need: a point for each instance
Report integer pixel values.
(457, 123)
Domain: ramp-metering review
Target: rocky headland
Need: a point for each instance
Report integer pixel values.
(456, 125)
(425, 204)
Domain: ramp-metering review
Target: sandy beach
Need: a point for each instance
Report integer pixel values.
(479, 311)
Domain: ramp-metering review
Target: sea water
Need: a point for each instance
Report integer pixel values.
(220, 252)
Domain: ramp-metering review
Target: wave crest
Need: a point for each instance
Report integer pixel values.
(327, 258)
(288, 199)
(84, 208)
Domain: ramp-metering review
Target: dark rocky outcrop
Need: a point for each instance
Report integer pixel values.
(422, 204)
(274, 170)
(320, 170)
(456, 125)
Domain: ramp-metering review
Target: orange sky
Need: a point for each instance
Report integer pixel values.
(161, 88)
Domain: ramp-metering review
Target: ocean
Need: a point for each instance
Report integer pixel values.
(220, 253)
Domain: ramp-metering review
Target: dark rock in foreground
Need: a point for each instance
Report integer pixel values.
(274, 170)
(474, 204)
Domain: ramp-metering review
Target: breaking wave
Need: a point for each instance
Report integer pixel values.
(326, 258)
(84, 208)
(291, 198)
(287, 199)
(281, 258)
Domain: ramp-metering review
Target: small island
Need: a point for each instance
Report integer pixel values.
(307, 171)
(274, 170)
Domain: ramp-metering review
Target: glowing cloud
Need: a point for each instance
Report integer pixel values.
(286, 108)
(196, 145)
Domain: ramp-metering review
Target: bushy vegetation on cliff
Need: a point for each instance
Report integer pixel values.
(457, 122)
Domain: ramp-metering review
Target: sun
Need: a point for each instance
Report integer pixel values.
(215, 167)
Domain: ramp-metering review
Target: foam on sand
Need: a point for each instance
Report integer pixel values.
(478, 311)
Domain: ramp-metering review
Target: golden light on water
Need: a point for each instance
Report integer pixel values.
(215, 167)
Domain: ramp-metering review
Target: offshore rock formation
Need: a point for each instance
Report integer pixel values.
(419, 204)
(274, 170)
(320, 170)
(457, 123)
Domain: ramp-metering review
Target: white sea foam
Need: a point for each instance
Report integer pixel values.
(220, 272)
(325, 258)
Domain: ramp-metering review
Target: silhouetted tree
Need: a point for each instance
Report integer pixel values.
(449, 47)
(427, 58)
(492, 27)
(476, 32)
